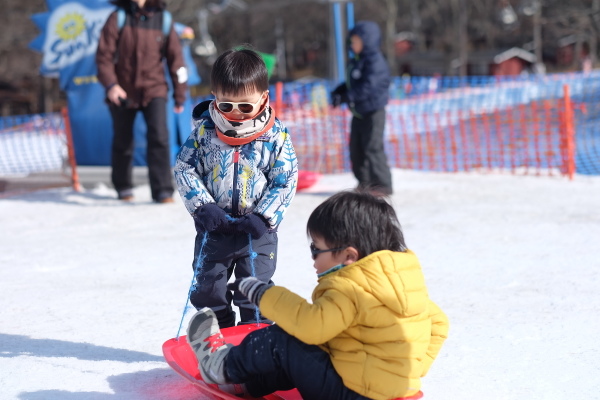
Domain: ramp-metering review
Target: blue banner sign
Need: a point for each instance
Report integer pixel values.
(70, 31)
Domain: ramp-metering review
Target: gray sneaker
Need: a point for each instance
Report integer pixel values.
(205, 338)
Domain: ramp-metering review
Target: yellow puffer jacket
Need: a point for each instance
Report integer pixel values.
(374, 318)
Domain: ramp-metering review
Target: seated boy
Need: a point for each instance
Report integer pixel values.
(371, 331)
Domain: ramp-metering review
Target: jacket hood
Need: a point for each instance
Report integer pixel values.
(394, 278)
(370, 34)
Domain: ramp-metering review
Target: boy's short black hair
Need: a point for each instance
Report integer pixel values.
(239, 71)
(358, 219)
(160, 4)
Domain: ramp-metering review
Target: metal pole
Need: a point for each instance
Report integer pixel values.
(349, 21)
(339, 42)
(350, 15)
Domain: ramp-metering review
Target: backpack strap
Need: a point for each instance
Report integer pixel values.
(166, 23)
(121, 16)
(167, 20)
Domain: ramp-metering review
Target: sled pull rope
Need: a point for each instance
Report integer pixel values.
(197, 268)
(253, 255)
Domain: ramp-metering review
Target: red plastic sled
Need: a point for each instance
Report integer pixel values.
(181, 358)
(307, 178)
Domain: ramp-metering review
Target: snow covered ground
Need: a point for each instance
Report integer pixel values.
(90, 288)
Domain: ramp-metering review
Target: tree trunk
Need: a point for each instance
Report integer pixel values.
(390, 35)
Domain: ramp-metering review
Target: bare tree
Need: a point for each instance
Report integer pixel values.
(299, 31)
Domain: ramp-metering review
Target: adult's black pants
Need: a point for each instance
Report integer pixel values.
(157, 150)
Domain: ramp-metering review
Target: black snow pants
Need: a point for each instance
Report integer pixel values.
(158, 150)
(367, 155)
(270, 359)
(224, 255)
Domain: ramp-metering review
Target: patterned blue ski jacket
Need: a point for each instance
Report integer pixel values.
(260, 176)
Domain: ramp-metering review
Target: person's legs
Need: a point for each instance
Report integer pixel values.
(122, 149)
(380, 176)
(158, 153)
(358, 158)
(261, 267)
(270, 359)
(212, 274)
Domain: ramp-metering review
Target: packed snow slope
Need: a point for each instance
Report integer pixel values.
(92, 287)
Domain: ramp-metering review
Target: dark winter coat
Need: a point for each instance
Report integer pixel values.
(367, 74)
(133, 57)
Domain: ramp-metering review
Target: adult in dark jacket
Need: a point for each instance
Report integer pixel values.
(130, 66)
(366, 92)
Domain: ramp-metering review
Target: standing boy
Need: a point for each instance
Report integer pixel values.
(237, 174)
(366, 92)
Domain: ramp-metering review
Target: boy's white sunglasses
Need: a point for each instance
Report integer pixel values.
(229, 106)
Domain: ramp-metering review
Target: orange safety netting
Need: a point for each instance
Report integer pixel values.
(532, 137)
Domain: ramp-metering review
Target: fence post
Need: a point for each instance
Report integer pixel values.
(71, 150)
(568, 135)
(279, 98)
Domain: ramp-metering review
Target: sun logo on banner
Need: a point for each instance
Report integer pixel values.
(70, 26)
(69, 34)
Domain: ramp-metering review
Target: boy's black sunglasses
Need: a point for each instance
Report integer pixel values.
(315, 252)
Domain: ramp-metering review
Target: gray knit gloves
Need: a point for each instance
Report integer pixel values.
(250, 287)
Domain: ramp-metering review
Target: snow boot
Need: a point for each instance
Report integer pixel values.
(205, 338)
(236, 389)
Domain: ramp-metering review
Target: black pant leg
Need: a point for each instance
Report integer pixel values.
(367, 152)
(122, 146)
(262, 267)
(358, 159)
(379, 170)
(270, 359)
(158, 153)
(212, 268)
